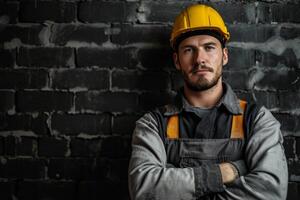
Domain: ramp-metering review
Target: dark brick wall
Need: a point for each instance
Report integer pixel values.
(76, 75)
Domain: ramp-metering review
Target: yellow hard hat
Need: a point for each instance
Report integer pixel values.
(198, 17)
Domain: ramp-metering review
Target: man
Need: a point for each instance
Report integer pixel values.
(208, 144)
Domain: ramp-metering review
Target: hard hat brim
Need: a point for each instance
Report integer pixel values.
(185, 34)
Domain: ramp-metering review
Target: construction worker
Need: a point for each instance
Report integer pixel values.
(207, 144)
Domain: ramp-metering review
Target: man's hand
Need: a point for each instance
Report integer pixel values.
(229, 172)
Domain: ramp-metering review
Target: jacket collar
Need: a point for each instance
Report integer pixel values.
(229, 100)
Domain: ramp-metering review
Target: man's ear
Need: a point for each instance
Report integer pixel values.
(176, 60)
(225, 56)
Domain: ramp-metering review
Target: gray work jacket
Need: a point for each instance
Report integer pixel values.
(266, 177)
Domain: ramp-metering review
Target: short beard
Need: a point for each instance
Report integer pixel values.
(202, 84)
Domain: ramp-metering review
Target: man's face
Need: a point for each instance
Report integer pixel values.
(200, 59)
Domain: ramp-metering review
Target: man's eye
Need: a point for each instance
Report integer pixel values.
(187, 50)
(209, 47)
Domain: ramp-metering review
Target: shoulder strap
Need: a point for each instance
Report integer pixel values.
(173, 127)
(237, 126)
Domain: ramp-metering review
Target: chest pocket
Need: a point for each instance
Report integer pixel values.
(184, 152)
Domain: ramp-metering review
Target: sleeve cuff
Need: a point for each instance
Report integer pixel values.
(208, 179)
(241, 167)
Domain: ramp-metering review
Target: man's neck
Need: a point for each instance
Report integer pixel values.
(204, 99)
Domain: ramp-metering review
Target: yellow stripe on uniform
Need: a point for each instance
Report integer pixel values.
(237, 126)
(173, 127)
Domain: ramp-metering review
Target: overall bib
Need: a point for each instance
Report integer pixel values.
(193, 152)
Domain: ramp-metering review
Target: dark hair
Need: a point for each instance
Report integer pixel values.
(210, 32)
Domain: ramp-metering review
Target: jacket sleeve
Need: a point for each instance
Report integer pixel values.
(150, 177)
(267, 175)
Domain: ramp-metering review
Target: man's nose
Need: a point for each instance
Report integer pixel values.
(200, 57)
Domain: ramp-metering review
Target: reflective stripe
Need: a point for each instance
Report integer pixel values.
(237, 126)
(173, 127)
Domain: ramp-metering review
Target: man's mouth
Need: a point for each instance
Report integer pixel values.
(201, 70)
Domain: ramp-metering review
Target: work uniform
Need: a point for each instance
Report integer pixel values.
(186, 166)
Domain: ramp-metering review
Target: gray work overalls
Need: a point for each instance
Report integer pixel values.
(195, 152)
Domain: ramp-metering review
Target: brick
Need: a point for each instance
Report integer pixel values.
(128, 34)
(293, 191)
(102, 11)
(156, 58)
(23, 78)
(49, 146)
(7, 100)
(263, 12)
(113, 169)
(157, 81)
(280, 12)
(107, 58)
(1, 145)
(107, 101)
(115, 147)
(46, 57)
(75, 169)
(238, 80)
(119, 169)
(85, 148)
(47, 11)
(289, 123)
(39, 124)
(90, 190)
(22, 168)
(7, 190)
(289, 32)
(80, 78)
(236, 12)
(251, 33)
(24, 122)
(25, 34)
(160, 11)
(288, 144)
(285, 13)
(14, 122)
(43, 101)
(270, 79)
(294, 167)
(7, 57)
(124, 124)
(240, 59)
(247, 96)
(167, 11)
(81, 123)
(8, 12)
(268, 99)
(268, 59)
(177, 80)
(63, 34)
(298, 142)
(10, 145)
(151, 100)
(58, 190)
(26, 146)
(289, 100)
